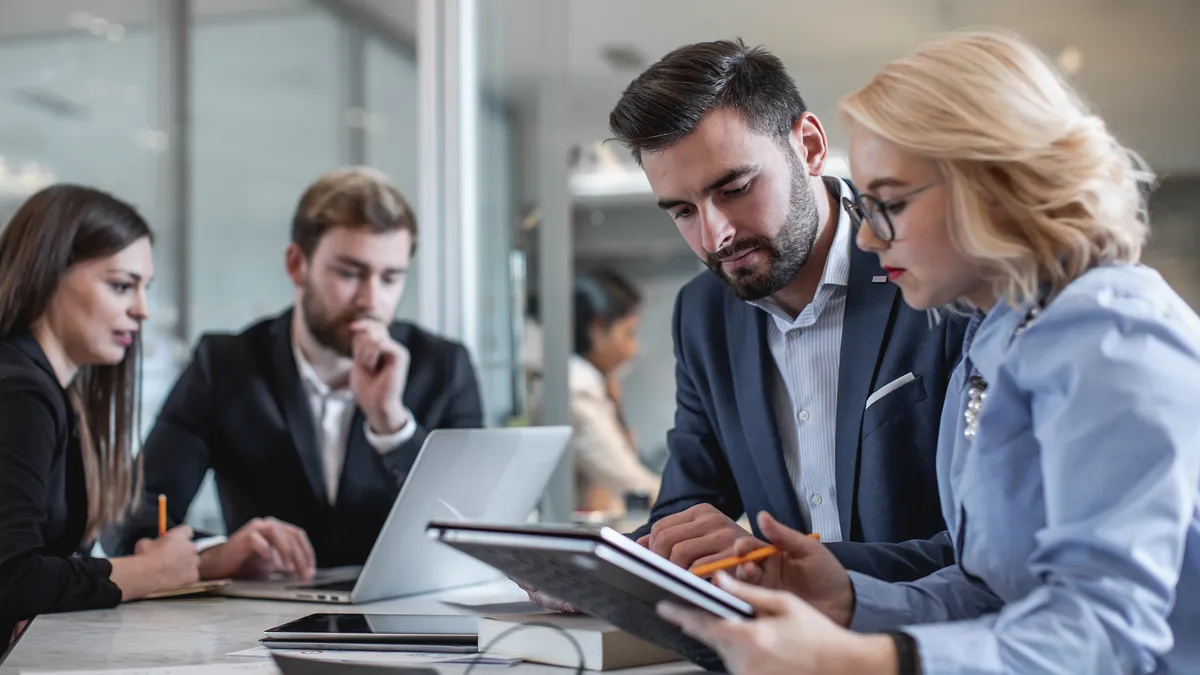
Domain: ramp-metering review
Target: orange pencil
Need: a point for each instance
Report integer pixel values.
(757, 554)
(162, 515)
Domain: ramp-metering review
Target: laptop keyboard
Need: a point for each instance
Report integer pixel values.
(633, 615)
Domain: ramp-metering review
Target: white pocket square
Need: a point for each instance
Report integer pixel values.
(889, 388)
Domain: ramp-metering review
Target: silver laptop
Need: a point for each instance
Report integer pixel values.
(489, 475)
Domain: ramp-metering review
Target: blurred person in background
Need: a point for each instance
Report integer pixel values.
(607, 315)
(74, 267)
(312, 419)
(1068, 453)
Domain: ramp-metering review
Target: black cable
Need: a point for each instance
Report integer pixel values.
(483, 649)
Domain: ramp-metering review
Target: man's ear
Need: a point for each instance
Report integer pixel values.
(296, 264)
(810, 143)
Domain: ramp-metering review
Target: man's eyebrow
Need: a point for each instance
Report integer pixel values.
(729, 176)
(350, 261)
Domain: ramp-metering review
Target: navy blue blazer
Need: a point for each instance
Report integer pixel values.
(725, 448)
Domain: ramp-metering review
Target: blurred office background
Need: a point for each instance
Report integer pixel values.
(213, 115)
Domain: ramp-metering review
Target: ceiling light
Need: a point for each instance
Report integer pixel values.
(610, 184)
(28, 179)
(1070, 60)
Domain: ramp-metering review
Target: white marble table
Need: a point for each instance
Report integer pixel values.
(205, 630)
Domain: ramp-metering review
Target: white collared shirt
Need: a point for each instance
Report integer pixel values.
(333, 410)
(807, 351)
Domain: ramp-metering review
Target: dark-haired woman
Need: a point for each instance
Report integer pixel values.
(607, 313)
(74, 266)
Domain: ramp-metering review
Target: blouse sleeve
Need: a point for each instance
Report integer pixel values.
(31, 582)
(1112, 383)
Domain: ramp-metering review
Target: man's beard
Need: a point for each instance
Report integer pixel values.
(331, 332)
(786, 253)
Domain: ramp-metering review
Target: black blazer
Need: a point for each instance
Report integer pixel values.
(43, 499)
(725, 448)
(240, 410)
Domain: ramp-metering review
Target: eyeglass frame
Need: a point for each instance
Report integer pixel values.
(859, 209)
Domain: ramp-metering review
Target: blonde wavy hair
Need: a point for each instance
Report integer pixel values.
(1007, 131)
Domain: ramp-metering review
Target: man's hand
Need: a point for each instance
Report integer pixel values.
(805, 568)
(378, 376)
(262, 547)
(697, 536)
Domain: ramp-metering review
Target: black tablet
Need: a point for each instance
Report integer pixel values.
(299, 665)
(600, 572)
(354, 646)
(406, 629)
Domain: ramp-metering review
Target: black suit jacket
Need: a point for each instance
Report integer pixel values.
(241, 410)
(44, 566)
(725, 448)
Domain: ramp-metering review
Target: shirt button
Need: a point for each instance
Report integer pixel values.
(803, 416)
(816, 499)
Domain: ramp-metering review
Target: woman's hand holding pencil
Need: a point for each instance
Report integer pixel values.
(794, 562)
(160, 564)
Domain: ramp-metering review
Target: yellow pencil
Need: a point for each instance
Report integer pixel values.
(162, 515)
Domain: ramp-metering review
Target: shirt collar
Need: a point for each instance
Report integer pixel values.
(986, 346)
(837, 263)
(309, 376)
(584, 375)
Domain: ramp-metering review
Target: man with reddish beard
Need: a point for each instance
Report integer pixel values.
(311, 420)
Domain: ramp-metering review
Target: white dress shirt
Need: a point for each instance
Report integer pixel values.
(333, 410)
(807, 350)
(604, 455)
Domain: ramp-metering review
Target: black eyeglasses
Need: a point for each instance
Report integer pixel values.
(875, 210)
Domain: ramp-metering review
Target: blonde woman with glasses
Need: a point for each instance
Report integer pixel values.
(1069, 456)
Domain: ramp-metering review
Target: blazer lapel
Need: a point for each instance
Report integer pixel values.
(869, 304)
(296, 410)
(753, 376)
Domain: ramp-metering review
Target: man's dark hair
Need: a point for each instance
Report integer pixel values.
(666, 102)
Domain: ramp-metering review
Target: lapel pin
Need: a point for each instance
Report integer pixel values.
(879, 279)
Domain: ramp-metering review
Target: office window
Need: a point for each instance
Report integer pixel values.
(267, 119)
(390, 129)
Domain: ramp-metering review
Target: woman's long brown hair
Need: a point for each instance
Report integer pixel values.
(54, 229)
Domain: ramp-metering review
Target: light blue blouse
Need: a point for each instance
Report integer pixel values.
(1075, 508)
